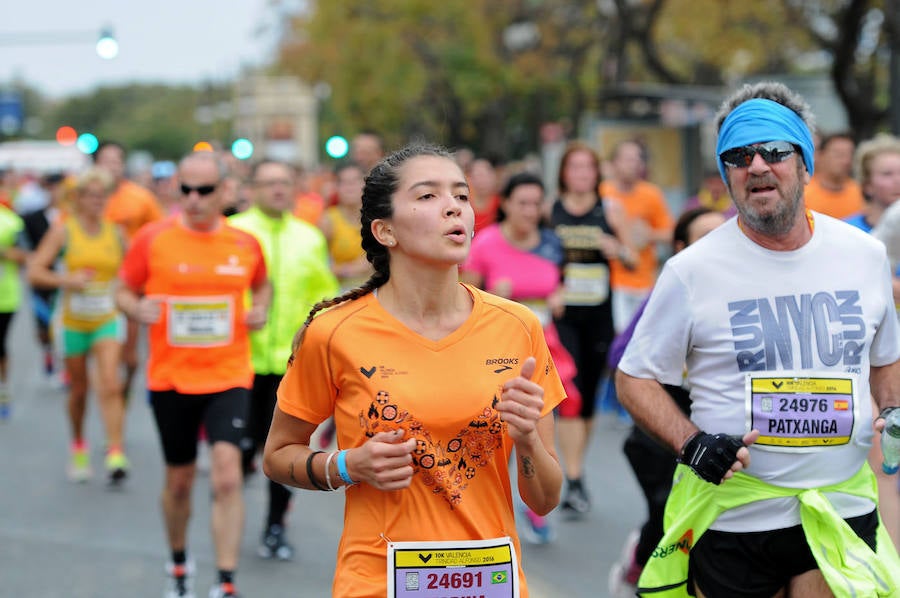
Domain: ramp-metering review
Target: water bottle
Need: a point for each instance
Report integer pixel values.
(890, 443)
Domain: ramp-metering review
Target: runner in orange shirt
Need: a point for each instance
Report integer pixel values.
(432, 384)
(650, 224)
(131, 207)
(186, 278)
(832, 190)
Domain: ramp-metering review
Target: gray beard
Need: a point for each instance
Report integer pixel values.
(777, 223)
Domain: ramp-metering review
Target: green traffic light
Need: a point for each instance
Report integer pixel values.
(242, 148)
(337, 146)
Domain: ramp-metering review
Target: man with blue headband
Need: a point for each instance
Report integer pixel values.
(782, 324)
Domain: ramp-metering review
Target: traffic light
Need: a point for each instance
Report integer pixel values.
(242, 148)
(66, 135)
(87, 143)
(337, 146)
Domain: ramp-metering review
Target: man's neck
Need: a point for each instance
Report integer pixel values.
(831, 182)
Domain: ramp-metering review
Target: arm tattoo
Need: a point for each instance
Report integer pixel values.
(527, 467)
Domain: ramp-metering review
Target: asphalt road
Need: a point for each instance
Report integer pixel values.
(58, 539)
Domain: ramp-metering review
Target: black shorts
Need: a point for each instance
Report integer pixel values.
(260, 409)
(178, 418)
(758, 564)
(5, 319)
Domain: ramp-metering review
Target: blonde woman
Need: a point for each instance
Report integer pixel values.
(90, 249)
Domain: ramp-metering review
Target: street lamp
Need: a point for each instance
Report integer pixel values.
(106, 45)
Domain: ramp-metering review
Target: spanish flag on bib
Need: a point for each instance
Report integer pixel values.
(850, 567)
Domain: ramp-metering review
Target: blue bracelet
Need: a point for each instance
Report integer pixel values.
(342, 467)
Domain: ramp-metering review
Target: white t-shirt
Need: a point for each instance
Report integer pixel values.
(806, 325)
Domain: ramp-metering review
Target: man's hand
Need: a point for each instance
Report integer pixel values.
(256, 317)
(148, 310)
(716, 457)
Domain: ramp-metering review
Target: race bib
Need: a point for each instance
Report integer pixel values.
(802, 412)
(540, 308)
(586, 284)
(95, 302)
(200, 321)
(484, 568)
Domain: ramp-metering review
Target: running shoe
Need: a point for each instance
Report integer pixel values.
(117, 466)
(274, 545)
(48, 363)
(537, 529)
(576, 502)
(625, 572)
(79, 469)
(180, 583)
(223, 590)
(5, 407)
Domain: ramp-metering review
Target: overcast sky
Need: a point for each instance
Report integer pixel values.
(159, 41)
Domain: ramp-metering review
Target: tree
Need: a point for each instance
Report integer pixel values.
(488, 73)
(451, 71)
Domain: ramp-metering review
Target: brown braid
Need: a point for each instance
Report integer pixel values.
(381, 184)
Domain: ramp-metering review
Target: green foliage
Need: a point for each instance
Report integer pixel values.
(441, 69)
(155, 118)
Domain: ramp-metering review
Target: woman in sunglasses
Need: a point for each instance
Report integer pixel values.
(91, 248)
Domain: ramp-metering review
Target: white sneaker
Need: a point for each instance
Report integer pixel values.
(618, 586)
(181, 581)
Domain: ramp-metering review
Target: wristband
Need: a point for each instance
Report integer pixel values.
(885, 412)
(309, 471)
(328, 470)
(342, 467)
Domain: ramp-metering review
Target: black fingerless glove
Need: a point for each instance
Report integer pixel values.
(710, 456)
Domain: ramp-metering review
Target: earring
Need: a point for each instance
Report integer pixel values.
(473, 234)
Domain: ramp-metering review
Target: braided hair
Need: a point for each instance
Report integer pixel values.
(377, 204)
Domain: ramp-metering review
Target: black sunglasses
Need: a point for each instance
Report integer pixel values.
(200, 189)
(772, 152)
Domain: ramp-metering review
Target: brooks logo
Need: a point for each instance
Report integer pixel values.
(502, 369)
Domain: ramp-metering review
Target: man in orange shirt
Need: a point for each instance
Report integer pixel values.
(649, 223)
(832, 190)
(131, 207)
(186, 278)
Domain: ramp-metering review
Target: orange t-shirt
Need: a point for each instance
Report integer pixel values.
(837, 204)
(309, 207)
(645, 202)
(373, 374)
(131, 207)
(200, 344)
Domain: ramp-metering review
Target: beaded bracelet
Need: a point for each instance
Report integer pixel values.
(342, 467)
(328, 470)
(309, 471)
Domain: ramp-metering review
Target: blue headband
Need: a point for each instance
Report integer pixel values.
(760, 120)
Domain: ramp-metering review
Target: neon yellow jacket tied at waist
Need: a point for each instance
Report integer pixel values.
(850, 567)
(10, 288)
(296, 256)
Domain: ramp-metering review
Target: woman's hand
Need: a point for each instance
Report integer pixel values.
(384, 461)
(521, 402)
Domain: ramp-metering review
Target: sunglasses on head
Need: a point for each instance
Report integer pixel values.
(200, 189)
(772, 152)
